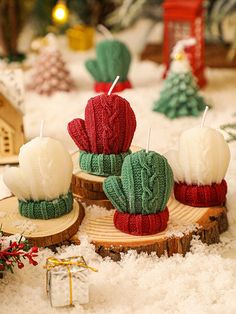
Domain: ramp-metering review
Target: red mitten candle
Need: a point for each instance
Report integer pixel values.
(105, 135)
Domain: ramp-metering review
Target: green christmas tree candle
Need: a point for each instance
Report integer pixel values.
(180, 94)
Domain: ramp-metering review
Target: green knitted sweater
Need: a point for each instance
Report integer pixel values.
(145, 184)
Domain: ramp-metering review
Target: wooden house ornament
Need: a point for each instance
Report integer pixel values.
(11, 115)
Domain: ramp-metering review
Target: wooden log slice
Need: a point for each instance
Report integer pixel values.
(88, 187)
(184, 222)
(101, 203)
(38, 231)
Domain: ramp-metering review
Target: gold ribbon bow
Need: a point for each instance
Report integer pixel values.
(53, 262)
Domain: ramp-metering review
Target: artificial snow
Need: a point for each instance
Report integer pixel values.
(204, 281)
(181, 230)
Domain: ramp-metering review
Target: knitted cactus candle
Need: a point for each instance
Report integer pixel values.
(105, 135)
(199, 166)
(141, 194)
(42, 181)
(113, 58)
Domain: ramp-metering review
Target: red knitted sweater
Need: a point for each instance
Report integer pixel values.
(108, 127)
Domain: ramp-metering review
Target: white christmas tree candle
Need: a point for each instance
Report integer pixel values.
(44, 173)
(202, 158)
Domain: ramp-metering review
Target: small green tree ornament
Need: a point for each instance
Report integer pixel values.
(180, 94)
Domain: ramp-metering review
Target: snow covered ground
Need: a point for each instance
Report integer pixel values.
(204, 281)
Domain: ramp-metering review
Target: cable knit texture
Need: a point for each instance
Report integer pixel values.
(47, 209)
(102, 165)
(144, 188)
(201, 196)
(113, 58)
(108, 129)
(141, 224)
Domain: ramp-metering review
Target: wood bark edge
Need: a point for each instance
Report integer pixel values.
(212, 224)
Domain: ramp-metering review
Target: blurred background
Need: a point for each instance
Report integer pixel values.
(21, 21)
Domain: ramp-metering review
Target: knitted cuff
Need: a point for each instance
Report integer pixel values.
(201, 196)
(47, 209)
(102, 164)
(105, 86)
(140, 225)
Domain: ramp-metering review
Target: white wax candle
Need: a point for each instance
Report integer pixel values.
(44, 173)
(202, 158)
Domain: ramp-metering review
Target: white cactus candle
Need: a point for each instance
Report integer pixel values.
(44, 173)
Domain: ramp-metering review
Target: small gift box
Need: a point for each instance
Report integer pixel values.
(67, 281)
(80, 37)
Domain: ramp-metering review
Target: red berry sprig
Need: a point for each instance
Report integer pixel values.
(14, 253)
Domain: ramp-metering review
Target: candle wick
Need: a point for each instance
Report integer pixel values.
(105, 31)
(204, 117)
(148, 140)
(113, 85)
(41, 129)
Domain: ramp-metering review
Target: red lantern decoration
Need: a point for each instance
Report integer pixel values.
(184, 19)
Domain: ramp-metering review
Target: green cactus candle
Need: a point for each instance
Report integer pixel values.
(113, 58)
(142, 190)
